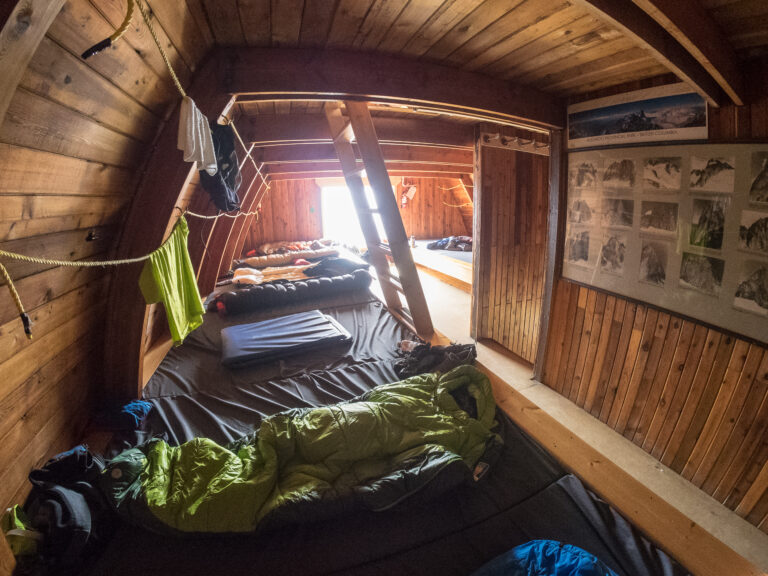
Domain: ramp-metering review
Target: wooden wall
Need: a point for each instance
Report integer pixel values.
(694, 397)
(433, 212)
(291, 210)
(72, 145)
(511, 243)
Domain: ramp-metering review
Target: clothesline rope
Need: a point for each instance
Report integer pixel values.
(458, 205)
(152, 32)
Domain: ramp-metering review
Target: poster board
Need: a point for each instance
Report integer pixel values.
(661, 114)
(681, 227)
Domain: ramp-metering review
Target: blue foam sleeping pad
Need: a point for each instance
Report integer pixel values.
(279, 337)
(545, 558)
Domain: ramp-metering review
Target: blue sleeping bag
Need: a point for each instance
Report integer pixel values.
(279, 337)
(545, 558)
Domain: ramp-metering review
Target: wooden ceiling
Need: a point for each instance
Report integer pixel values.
(554, 45)
(558, 46)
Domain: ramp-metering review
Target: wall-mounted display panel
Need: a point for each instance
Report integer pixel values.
(681, 227)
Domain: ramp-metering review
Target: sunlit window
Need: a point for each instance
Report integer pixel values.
(340, 221)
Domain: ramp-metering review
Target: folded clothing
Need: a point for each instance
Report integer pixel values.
(275, 338)
(427, 358)
(277, 294)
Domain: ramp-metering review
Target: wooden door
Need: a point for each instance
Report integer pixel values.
(511, 236)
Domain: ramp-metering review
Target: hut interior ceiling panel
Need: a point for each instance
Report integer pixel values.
(230, 228)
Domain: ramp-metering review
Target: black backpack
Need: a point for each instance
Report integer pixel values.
(223, 186)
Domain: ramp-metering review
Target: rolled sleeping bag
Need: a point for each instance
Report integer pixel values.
(273, 294)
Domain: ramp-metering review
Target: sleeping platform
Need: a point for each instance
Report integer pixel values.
(525, 495)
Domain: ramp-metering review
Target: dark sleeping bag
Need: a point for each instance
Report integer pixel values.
(273, 294)
(279, 337)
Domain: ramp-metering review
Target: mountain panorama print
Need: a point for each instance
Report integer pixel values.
(669, 116)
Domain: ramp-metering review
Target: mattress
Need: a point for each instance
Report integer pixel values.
(280, 337)
(525, 495)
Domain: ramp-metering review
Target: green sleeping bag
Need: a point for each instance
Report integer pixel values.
(370, 452)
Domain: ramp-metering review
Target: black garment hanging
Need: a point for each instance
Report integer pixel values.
(223, 186)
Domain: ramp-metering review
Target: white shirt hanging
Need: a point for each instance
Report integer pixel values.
(195, 138)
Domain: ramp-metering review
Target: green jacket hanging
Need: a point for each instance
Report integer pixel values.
(168, 277)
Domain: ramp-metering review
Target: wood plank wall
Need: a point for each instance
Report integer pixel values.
(433, 212)
(291, 210)
(71, 149)
(512, 201)
(694, 397)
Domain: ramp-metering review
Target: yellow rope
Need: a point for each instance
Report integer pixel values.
(125, 25)
(17, 300)
(159, 47)
(444, 189)
(458, 205)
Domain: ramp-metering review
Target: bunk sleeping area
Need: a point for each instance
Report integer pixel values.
(373, 287)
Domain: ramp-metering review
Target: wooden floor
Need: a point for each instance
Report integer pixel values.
(704, 535)
(452, 271)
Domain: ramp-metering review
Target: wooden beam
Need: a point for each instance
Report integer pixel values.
(555, 234)
(274, 129)
(23, 27)
(340, 174)
(694, 28)
(149, 219)
(250, 203)
(335, 166)
(376, 170)
(647, 33)
(392, 152)
(367, 76)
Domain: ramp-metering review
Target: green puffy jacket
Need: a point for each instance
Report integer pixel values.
(372, 451)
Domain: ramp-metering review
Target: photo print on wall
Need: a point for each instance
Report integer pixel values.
(582, 175)
(577, 247)
(612, 253)
(653, 262)
(702, 273)
(617, 212)
(753, 231)
(708, 222)
(658, 217)
(713, 174)
(758, 191)
(752, 290)
(662, 173)
(619, 174)
(582, 210)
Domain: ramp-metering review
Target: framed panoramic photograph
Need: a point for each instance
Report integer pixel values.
(682, 227)
(661, 114)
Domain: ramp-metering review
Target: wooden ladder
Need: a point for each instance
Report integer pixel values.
(413, 312)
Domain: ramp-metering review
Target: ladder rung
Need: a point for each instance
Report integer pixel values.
(359, 172)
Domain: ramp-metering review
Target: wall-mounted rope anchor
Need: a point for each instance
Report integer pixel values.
(107, 42)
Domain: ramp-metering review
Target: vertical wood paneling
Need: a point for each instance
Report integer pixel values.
(432, 213)
(692, 396)
(512, 243)
(289, 211)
